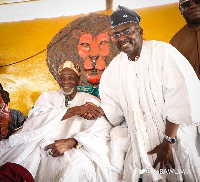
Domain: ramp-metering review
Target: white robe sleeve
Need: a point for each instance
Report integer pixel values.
(120, 141)
(181, 89)
(42, 119)
(96, 143)
(110, 102)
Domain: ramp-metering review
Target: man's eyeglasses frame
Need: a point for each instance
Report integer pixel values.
(187, 3)
(126, 32)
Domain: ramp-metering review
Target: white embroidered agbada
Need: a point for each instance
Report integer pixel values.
(89, 163)
(160, 85)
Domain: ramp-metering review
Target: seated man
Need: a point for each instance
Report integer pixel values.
(56, 143)
(17, 117)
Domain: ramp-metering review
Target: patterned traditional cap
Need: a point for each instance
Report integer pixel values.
(124, 15)
(68, 64)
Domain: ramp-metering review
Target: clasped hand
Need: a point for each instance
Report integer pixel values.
(90, 111)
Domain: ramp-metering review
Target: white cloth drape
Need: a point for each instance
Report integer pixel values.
(89, 163)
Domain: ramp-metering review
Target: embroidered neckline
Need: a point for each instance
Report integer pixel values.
(68, 101)
(136, 58)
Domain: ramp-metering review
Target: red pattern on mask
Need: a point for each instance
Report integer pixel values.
(94, 50)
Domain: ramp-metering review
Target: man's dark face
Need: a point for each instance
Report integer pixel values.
(191, 13)
(128, 38)
(68, 81)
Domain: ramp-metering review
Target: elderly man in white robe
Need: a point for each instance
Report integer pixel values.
(57, 142)
(153, 89)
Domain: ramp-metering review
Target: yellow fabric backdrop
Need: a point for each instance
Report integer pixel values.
(25, 81)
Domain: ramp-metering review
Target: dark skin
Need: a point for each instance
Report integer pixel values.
(129, 44)
(68, 81)
(191, 14)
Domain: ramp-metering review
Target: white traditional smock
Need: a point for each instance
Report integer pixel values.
(89, 163)
(160, 85)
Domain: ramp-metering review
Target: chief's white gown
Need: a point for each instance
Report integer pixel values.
(89, 163)
(160, 85)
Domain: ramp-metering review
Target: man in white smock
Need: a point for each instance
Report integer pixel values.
(155, 90)
(61, 141)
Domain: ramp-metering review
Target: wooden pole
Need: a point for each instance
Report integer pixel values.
(109, 4)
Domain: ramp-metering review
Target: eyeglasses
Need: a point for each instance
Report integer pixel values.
(187, 3)
(126, 32)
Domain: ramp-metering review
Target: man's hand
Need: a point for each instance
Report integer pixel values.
(60, 146)
(164, 155)
(92, 112)
(164, 150)
(87, 111)
(74, 111)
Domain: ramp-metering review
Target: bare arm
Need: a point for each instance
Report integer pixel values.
(73, 112)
